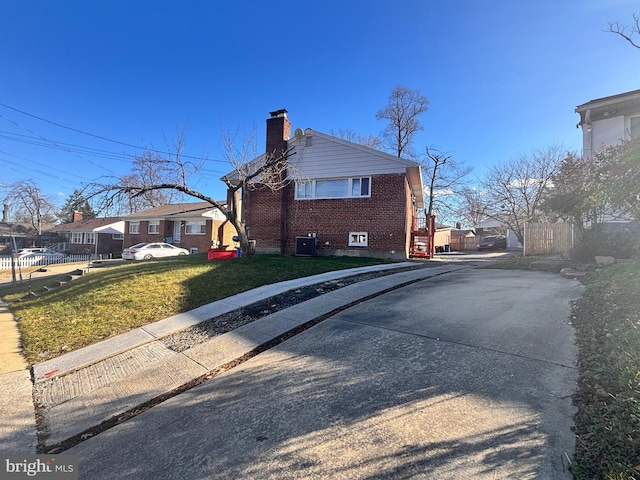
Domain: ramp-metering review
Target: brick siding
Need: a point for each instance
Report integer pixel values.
(385, 216)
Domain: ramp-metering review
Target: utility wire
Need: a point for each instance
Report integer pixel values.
(98, 136)
(54, 143)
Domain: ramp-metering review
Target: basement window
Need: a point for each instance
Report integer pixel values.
(358, 239)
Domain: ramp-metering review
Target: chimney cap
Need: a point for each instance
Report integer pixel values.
(278, 113)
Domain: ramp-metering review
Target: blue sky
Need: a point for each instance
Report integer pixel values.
(503, 77)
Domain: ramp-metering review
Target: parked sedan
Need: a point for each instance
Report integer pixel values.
(147, 251)
(42, 252)
(28, 257)
(497, 242)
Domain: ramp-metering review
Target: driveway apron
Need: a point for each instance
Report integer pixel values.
(465, 375)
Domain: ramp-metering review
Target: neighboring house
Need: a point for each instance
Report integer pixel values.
(196, 226)
(23, 235)
(102, 237)
(343, 198)
(609, 120)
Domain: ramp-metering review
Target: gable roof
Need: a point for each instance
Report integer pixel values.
(115, 224)
(610, 106)
(177, 210)
(337, 158)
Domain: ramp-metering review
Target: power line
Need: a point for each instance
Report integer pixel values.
(53, 142)
(99, 136)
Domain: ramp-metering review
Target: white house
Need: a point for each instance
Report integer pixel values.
(609, 120)
(606, 122)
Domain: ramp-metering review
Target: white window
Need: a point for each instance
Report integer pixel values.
(303, 189)
(90, 238)
(360, 187)
(117, 236)
(76, 237)
(358, 239)
(334, 188)
(134, 228)
(154, 226)
(195, 227)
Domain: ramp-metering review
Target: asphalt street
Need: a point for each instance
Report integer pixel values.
(464, 375)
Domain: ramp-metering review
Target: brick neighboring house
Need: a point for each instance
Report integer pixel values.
(345, 198)
(196, 226)
(95, 236)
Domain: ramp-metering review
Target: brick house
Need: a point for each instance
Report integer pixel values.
(343, 198)
(196, 226)
(96, 236)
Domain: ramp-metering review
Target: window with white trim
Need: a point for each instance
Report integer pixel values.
(134, 228)
(154, 226)
(76, 237)
(358, 239)
(90, 238)
(333, 188)
(198, 227)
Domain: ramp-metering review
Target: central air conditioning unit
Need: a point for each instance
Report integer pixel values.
(306, 246)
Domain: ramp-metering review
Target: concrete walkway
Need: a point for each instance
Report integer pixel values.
(96, 385)
(17, 420)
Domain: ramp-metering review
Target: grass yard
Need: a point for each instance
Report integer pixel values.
(607, 326)
(117, 299)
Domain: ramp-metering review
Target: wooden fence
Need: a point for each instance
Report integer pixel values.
(548, 238)
(37, 260)
(459, 244)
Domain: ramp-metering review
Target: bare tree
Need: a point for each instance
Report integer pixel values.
(404, 107)
(472, 206)
(515, 189)
(349, 135)
(266, 171)
(628, 32)
(30, 205)
(444, 178)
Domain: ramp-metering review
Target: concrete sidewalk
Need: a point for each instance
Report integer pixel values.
(104, 383)
(17, 420)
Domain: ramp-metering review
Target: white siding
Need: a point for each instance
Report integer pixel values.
(606, 132)
(322, 157)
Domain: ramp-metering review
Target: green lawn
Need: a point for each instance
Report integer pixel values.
(117, 299)
(607, 326)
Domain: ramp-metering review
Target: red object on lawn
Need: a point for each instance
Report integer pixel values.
(221, 254)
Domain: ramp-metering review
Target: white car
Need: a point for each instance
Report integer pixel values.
(147, 251)
(39, 256)
(42, 252)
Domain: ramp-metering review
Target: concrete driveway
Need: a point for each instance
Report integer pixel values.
(465, 375)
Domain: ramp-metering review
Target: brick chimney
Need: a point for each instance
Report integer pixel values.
(77, 216)
(278, 132)
(5, 213)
